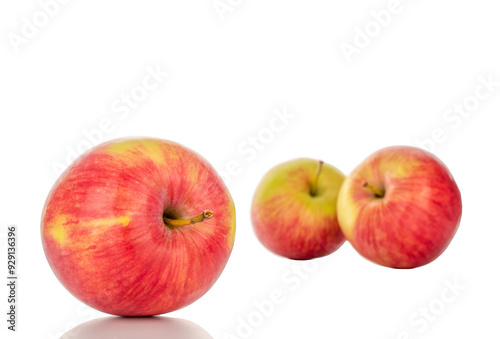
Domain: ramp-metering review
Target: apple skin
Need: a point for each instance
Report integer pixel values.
(415, 220)
(105, 239)
(288, 220)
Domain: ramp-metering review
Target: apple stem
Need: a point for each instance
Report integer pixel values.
(378, 193)
(205, 215)
(314, 186)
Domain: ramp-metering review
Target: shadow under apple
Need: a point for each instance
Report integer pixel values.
(133, 328)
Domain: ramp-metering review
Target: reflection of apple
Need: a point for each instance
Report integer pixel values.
(133, 328)
(138, 227)
(294, 209)
(400, 208)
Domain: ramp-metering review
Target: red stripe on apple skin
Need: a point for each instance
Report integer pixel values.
(416, 219)
(138, 266)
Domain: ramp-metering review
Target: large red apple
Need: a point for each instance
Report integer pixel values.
(400, 208)
(138, 227)
(294, 209)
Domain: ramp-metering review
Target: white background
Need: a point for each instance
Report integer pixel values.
(228, 76)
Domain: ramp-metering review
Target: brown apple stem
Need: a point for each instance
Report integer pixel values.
(314, 186)
(378, 193)
(205, 215)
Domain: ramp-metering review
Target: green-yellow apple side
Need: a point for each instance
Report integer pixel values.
(294, 209)
(138, 227)
(400, 208)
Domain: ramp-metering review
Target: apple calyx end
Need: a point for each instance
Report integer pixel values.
(171, 223)
(379, 193)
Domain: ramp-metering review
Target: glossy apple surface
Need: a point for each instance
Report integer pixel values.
(104, 234)
(400, 208)
(294, 209)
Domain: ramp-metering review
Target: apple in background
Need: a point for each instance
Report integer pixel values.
(294, 209)
(400, 208)
(138, 227)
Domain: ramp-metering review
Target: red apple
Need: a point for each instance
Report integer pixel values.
(294, 209)
(400, 208)
(138, 227)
